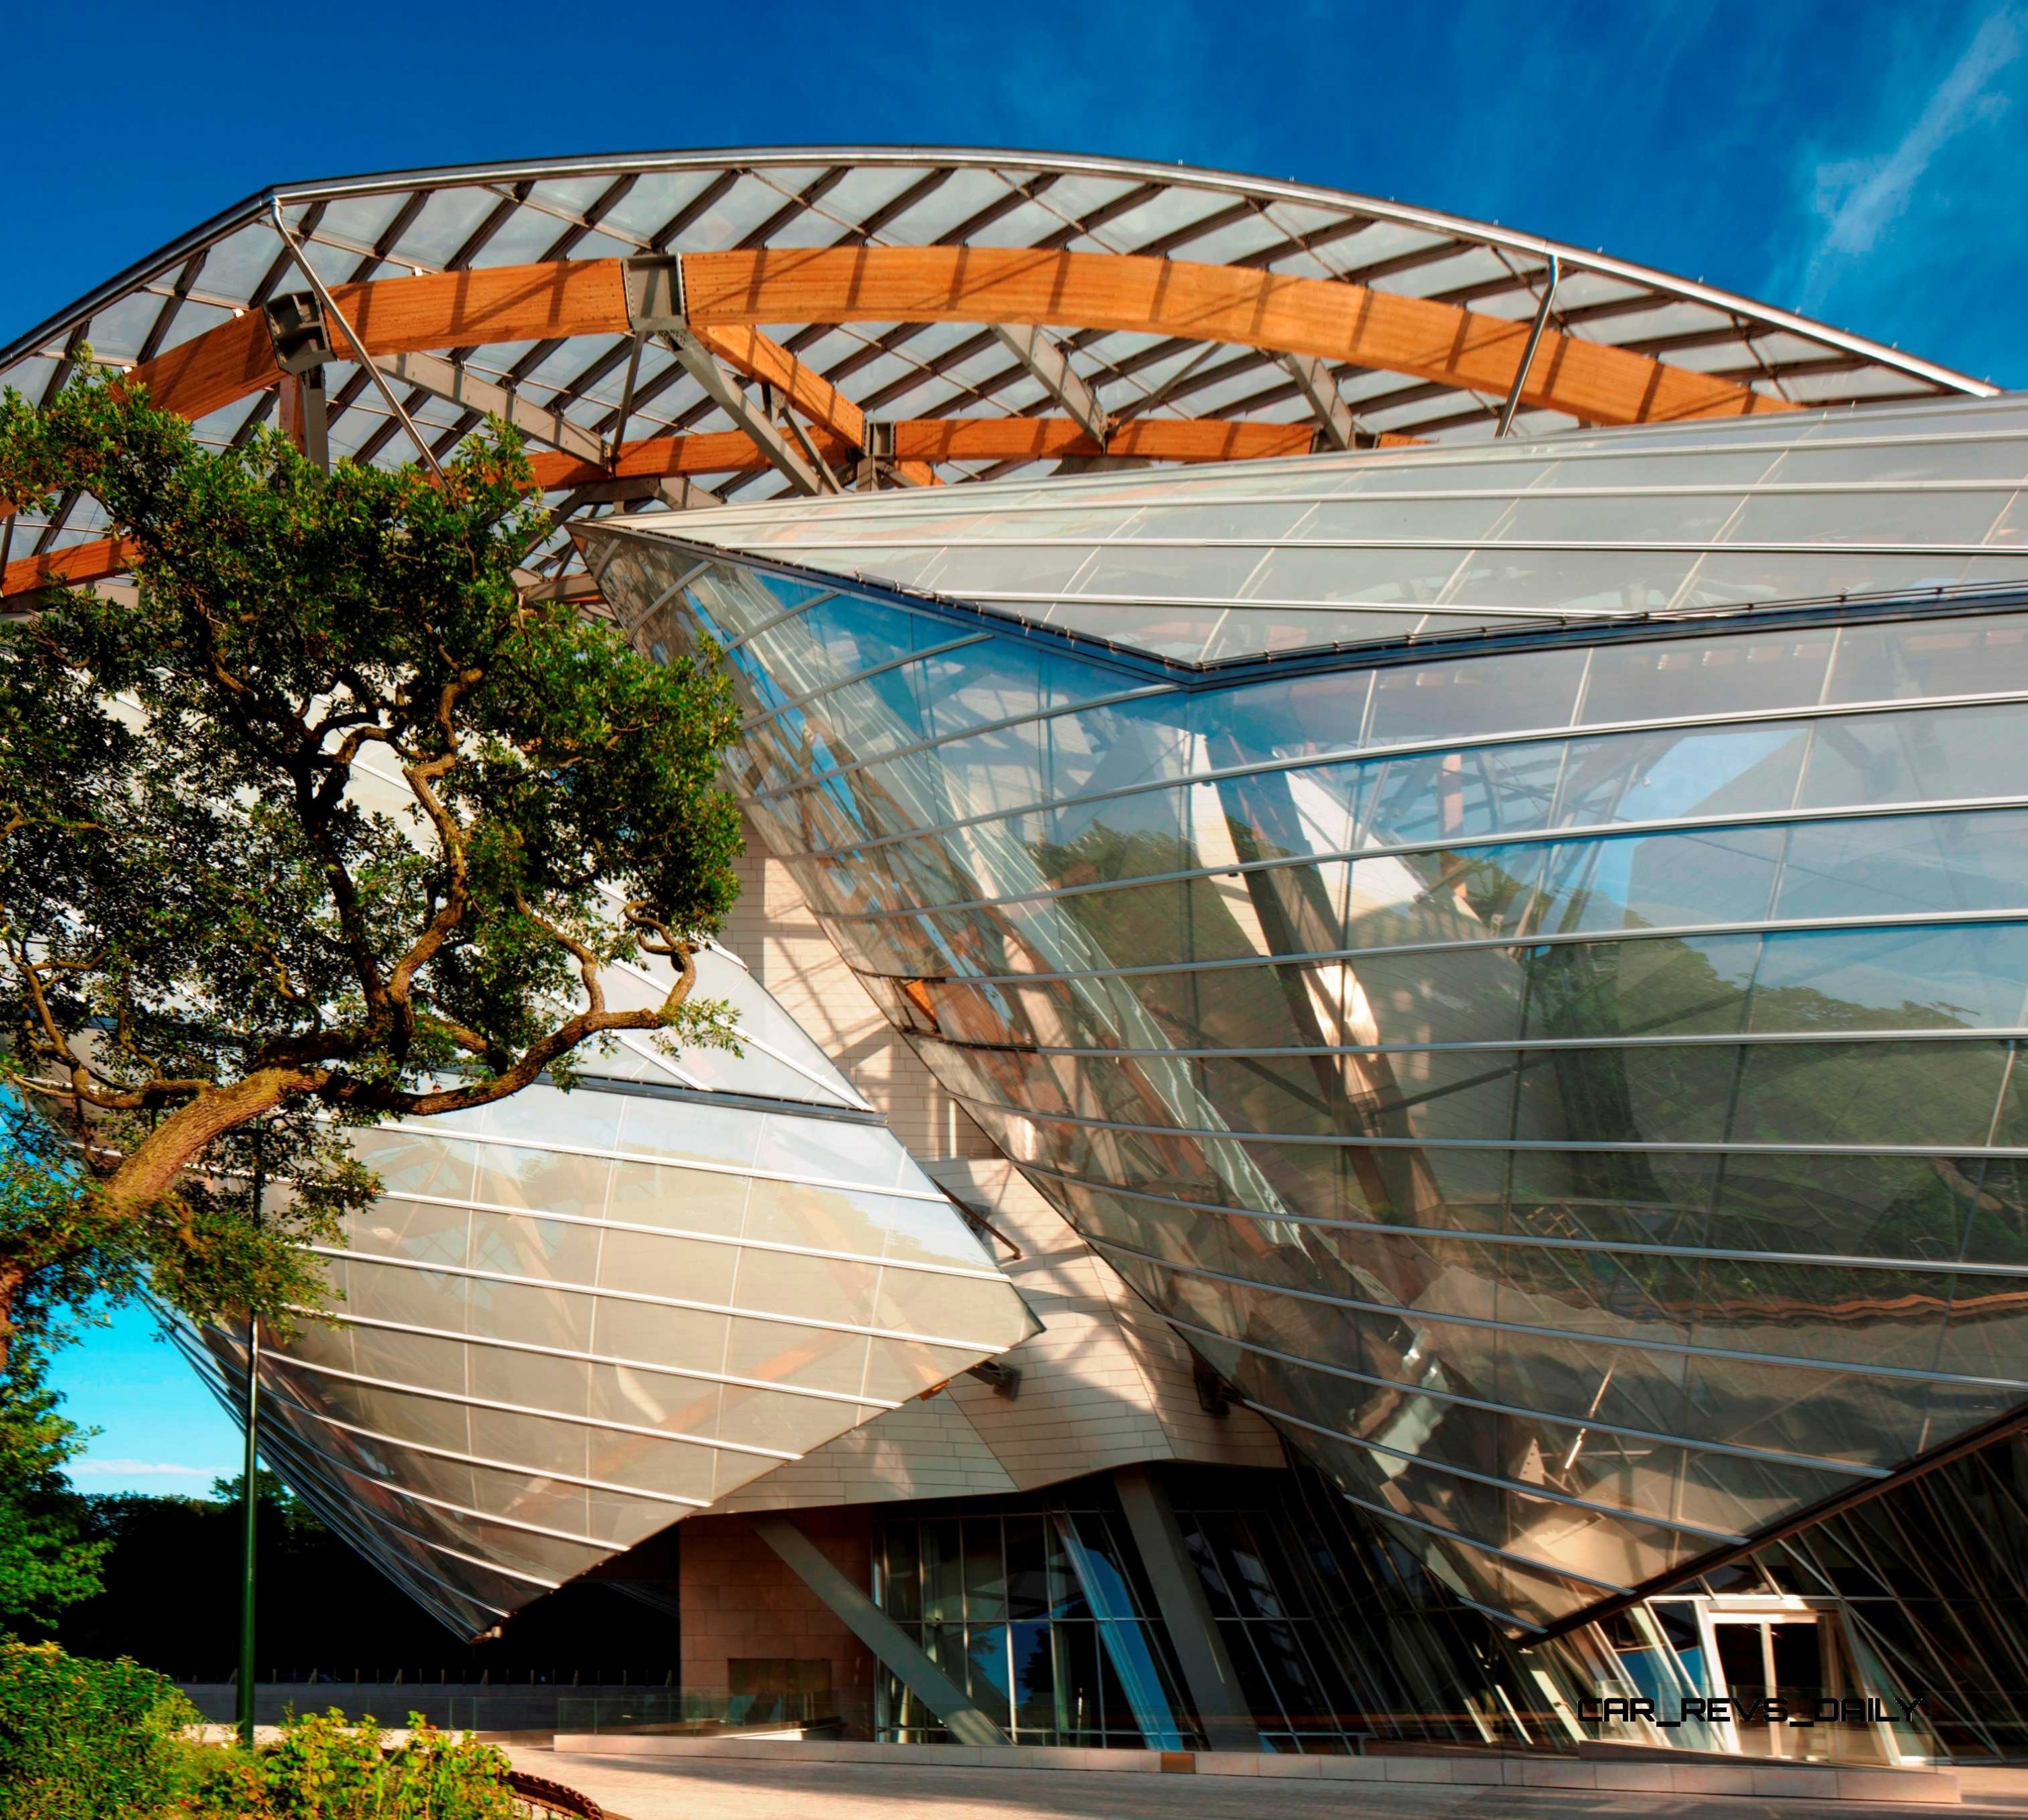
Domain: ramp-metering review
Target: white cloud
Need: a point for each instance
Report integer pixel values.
(1857, 199)
(129, 1469)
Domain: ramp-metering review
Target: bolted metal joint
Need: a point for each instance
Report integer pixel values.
(296, 327)
(1003, 1380)
(655, 294)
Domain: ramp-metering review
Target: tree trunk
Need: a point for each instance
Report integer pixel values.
(11, 1277)
(151, 1171)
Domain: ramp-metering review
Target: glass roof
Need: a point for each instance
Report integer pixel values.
(1210, 563)
(414, 223)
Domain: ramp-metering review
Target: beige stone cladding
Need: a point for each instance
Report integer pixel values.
(741, 1604)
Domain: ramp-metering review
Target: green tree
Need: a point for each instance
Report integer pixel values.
(46, 1563)
(326, 824)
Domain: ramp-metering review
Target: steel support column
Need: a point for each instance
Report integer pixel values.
(1222, 1709)
(450, 381)
(1318, 387)
(879, 1631)
(1050, 365)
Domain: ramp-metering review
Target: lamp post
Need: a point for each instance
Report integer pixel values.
(248, 1501)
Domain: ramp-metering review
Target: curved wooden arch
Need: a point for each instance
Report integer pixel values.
(1441, 342)
(920, 440)
(728, 295)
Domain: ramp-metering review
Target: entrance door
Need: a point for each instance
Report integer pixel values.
(1771, 1658)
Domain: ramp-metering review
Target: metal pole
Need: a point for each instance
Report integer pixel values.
(249, 1503)
(1528, 353)
(333, 313)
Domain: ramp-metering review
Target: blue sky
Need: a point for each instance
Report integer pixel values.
(1864, 161)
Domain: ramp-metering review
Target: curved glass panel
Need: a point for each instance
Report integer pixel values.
(1574, 1091)
(572, 1319)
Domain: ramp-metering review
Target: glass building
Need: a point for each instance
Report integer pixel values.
(1444, 808)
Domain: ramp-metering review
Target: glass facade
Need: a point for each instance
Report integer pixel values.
(572, 1319)
(1567, 1080)
(1041, 1615)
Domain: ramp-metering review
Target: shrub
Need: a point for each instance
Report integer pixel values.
(88, 1740)
(325, 1767)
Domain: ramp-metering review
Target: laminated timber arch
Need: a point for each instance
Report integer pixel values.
(1274, 312)
(1417, 312)
(728, 298)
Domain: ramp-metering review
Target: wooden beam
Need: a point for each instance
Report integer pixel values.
(918, 444)
(1270, 311)
(70, 567)
(933, 439)
(1276, 312)
(806, 391)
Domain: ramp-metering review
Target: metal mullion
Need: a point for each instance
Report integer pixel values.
(766, 626)
(1194, 377)
(792, 206)
(1494, 1045)
(66, 365)
(924, 187)
(706, 198)
(936, 368)
(430, 1394)
(902, 507)
(1731, 1450)
(369, 1533)
(691, 1374)
(577, 389)
(981, 219)
(898, 509)
(543, 1144)
(380, 1521)
(1162, 244)
(1577, 833)
(614, 194)
(1913, 920)
(58, 520)
(1534, 1563)
(1416, 748)
(384, 244)
(920, 746)
(1828, 1260)
(390, 428)
(922, 656)
(1087, 226)
(159, 330)
(1422, 1316)
(285, 1440)
(559, 1286)
(605, 1223)
(394, 1488)
(1541, 1145)
(571, 218)
(485, 1462)
(1515, 1485)
(1351, 226)
(1493, 546)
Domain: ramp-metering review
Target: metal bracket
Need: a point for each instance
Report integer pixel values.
(302, 344)
(655, 300)
(1002, 1380)
(329, 306)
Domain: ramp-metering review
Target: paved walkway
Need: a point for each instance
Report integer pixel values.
(699, 1788)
